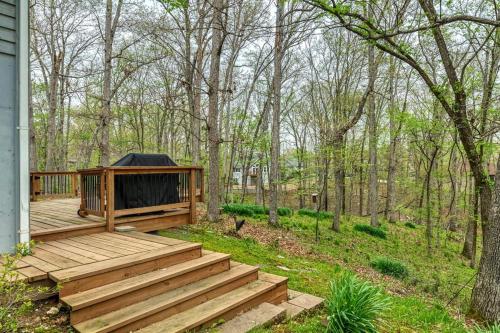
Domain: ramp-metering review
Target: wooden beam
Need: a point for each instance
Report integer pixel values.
(110, 200)
(192, 196)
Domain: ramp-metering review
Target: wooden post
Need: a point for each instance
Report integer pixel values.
(83, 202)
(110, 200)
(33, 189)
(74, 184)
(202, 185)
(192, 195)
(102, 191)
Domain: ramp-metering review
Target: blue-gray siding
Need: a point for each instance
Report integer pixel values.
(9, 166)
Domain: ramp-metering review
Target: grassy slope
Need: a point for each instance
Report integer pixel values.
(418, 301)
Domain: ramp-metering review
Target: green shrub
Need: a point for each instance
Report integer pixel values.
(284, 211)
(237, 209)
(377, 232)
(251, 210)
(390, 267)
(323, 215)
(410, 225)
(16, 294)
(490, 329)
(355, 306)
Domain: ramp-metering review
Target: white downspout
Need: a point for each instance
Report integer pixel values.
(23, 101)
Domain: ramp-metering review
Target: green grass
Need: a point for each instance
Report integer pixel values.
(390, 267)
(421, 308)
(370, 230)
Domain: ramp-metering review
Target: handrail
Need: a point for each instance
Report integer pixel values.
(98, 190)
(53, 183)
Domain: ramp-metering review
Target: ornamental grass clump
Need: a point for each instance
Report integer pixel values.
(251, 210)
(390, 267)
(322, 215)
(370, 230)
(410, 225)
(490, 329)
(355, 306)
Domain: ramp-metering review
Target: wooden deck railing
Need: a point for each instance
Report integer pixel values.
(53, 184)
(98, 190)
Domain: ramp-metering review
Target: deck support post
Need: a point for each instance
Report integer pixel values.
(110, 200)
(202, 185)
(74, 184)
(192, 196)
(33, 188)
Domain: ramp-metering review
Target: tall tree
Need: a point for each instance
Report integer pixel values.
(276, 115)
(110, 26)
(486, 293)
(213, 110)
(372, 136)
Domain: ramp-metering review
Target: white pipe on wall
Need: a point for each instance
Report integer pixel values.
(23, 103)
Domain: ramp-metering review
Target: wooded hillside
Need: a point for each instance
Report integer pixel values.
(383, 109)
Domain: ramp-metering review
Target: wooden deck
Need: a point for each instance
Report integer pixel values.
(57, 219)
(133, 281)
(52, 256)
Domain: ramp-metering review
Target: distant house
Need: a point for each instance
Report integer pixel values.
(251, 177)
(14, 156)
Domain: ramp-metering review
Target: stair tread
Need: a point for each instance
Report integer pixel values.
(109, 291)
(79, 272)
(119, 318)
(262, 315)
(210, 310)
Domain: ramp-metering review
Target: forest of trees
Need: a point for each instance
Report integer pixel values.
(387, 108)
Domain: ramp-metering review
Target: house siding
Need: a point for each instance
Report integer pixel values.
(9, 117)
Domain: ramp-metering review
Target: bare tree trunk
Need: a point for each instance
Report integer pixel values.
(338, 166)
(51, 149)
(486, 293)
(325, 173)
(391, 168)
(275, 128)
(428, 206)
(361, 175)
(453, 167)
(213, 112)
(372, 142)
(470, 242)
(110, 26)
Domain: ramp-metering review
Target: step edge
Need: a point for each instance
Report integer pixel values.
(267, 286)
(166, 304)
(145, 284)
(55, 276)
(278, 316)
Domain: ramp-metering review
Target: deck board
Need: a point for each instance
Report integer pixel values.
(76, 253)
(60, 216)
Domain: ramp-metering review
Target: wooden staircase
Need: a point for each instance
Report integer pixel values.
(171, 289)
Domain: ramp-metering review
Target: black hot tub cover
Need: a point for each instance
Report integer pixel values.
(135, 191)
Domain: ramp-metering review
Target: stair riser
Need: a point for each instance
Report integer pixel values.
(187, 304)
(139, 295)
(274, 296)
(72, 287)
